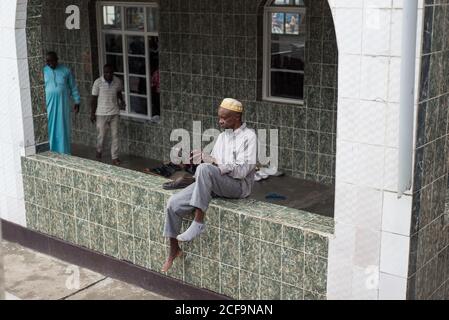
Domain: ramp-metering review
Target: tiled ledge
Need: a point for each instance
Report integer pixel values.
(251, 249)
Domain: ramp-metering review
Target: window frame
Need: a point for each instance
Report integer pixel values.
(101, 32)
(269, 9)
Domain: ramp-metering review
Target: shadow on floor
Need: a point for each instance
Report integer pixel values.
(300, 194)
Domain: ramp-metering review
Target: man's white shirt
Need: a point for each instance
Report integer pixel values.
(235, 152)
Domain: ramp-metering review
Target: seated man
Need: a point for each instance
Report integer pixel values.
(228, 172)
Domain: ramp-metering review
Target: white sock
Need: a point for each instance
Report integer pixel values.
(192, 232)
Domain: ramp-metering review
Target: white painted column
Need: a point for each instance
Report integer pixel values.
(16, 125)
(2, 274)
(368, 257)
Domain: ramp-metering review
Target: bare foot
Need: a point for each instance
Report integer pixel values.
(167, 265)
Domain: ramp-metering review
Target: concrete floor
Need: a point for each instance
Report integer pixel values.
(30, 275)
(301, 194)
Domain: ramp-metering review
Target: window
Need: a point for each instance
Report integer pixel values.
(284, 51)
(128, 39)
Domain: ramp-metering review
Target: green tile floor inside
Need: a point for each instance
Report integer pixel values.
(251, 249)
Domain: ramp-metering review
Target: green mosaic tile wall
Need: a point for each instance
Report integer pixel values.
(428, 276)
(35, 64)
(251, 250)
(201, 63)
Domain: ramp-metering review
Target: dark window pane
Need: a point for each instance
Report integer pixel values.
(156, 103)
(153, 45)
(136, 45)
(153, 19)
(299, 39)
(138, 85)
(287, 85)
(134, 19)
(113, 43)
(288, 3)
(287, 56)
(139, 105)
(112, 17)
(116, 61)
(137, 65)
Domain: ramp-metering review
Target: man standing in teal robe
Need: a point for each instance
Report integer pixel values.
(60, 85)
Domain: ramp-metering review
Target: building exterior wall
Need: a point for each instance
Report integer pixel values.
(428, 274)
(370, 251)
(204, 57)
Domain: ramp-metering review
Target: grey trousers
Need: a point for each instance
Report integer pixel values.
(209, 182)
(103, 122)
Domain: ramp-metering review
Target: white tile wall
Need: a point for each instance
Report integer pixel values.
(391, 169)
(361, 206)
(367, 248)
(365, 283)
(374, 79)
(362, 121)
(396, 213)
(396, 32)
(371, 122)
(369, 166)
(342, 248)
(394, 254)
(394, 78)
(376, 31)
(16, 128)
(391, 129)
(371, 233)
(349, 76)
(392, 287)
(350, 39)
(380, 4)
(340, 288)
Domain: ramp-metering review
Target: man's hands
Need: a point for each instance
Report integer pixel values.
(76, 108)
(199, 157)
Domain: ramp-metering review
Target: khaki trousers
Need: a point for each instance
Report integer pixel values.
(103, 122)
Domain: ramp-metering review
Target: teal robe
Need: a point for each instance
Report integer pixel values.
(60, 85)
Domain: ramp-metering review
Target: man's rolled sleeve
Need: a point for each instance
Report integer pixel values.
(96, 89)
(245, 160)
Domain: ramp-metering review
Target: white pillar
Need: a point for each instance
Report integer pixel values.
(2, 277)
(16, 128)
(368, 256)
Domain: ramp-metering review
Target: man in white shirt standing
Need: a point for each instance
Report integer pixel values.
(105, 110)
(228, 172)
